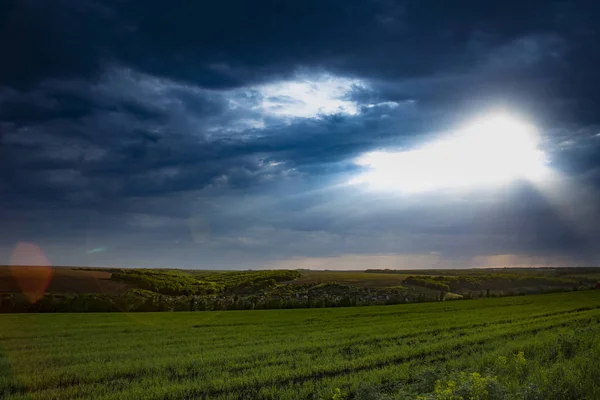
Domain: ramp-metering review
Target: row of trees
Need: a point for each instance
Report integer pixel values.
(145, 301)
(139, 300)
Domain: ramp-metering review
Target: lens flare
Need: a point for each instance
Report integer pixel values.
(31, 270)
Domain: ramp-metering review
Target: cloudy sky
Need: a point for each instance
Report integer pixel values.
(300, 134)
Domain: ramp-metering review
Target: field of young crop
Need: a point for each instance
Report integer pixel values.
(529, 347)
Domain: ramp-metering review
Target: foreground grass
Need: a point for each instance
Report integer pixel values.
(532, 347)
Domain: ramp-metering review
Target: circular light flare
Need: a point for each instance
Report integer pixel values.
(31, 270)
(490, 151)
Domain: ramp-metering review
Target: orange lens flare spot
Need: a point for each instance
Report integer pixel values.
(31, 270)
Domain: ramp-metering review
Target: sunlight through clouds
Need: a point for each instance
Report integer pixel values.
(308, 97)
(492, 150)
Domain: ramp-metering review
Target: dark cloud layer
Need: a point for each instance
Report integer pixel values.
(177, 134)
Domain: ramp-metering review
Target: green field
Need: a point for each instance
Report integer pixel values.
(529, 347)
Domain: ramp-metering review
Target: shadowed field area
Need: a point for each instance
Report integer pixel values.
(354, 278)
(58, 280)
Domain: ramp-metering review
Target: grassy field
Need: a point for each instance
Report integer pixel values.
(529, 347)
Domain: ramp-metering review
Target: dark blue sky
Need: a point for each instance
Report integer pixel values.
(224, 134)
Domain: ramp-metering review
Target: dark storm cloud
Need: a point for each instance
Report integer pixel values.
(140, 135)
(129, 121)
(220, 44)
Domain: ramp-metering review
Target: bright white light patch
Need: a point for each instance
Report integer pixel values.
(308, 97)
(490, 151)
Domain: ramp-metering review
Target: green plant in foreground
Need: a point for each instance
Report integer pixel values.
(471, 386)
(338, 394)
(514, 365)
(446, 391)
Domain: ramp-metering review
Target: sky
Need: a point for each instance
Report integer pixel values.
(300, 134)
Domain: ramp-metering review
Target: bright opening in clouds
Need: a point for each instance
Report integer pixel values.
(308, 97)
(492, 150)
